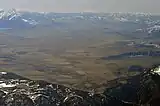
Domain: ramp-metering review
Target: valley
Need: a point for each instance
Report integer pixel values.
(79, 50)
(69, 59)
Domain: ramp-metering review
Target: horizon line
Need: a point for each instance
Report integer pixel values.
(26, 10)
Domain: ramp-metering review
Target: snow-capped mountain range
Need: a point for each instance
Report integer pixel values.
(12, 18)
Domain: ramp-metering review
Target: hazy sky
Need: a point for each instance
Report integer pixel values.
(151, 6)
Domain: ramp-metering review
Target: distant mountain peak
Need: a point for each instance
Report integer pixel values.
(9, 14)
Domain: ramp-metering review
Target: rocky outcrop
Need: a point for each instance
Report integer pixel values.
(141, 90)
(18, 91)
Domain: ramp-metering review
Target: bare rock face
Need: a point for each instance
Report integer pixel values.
(18, 91)
(17, 99)
(142, 90)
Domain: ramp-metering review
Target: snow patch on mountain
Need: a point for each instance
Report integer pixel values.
(32, 22)
(154, 28)
(15, 19)
(122, 19)
(9, 14)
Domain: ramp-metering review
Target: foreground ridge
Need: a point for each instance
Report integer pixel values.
(141, 90)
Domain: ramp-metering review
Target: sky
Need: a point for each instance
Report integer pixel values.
(146, 6)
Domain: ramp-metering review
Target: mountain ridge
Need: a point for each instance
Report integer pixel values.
(135, 22)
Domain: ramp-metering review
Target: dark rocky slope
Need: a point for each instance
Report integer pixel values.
(141, 90)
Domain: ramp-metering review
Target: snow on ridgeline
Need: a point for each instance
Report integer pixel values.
(13, 14)
(153, 28)
(26, 18)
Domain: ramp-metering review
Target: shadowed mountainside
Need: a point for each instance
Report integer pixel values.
(140, 90)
